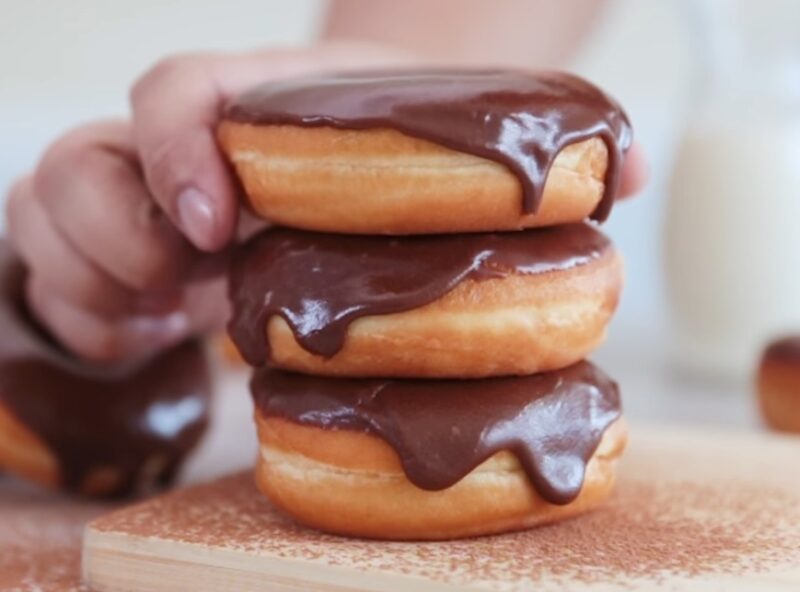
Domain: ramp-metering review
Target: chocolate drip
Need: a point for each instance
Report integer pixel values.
(320, 283)
(521, 120)
(442, 429)
(139, 421)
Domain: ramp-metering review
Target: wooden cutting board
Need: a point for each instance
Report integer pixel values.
(40, 538)
(693, 510)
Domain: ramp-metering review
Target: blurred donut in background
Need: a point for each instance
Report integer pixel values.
(778, 384)
(88, 429)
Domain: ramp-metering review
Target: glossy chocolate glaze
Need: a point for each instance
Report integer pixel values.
(138, 421)
(519, 119)
(320, 283)
(786, 349)
(442, 429)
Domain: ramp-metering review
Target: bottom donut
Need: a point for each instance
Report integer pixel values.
(431, 460)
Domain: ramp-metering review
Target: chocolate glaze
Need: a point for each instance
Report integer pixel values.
(442, 429)
(521, 120)
(785, 349)
(139, 420)
(320, 283)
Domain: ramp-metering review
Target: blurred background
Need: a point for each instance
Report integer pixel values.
(711, 243)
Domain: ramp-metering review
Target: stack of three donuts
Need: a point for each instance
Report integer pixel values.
(429, 386)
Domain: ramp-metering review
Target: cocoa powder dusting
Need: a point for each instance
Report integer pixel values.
(40, 539)
(648, 531)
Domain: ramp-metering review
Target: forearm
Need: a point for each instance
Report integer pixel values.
(528, 33)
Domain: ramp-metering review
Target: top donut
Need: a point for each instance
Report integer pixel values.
(427, 151)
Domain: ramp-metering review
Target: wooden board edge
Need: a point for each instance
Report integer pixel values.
(113, 562)
(117, 562)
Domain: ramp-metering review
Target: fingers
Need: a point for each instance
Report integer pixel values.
(49, 257)
(176, 106)
(91, 186)
(100, 253)
(634, 172)
(102, 339)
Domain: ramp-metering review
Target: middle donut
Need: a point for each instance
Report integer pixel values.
(465, 306)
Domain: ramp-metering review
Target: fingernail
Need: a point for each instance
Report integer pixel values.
(196, 217)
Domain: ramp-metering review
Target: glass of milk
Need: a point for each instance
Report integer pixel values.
(732, 231)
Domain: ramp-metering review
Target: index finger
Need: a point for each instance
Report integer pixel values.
(175, 106)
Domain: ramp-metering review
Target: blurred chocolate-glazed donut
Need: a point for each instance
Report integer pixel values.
(81, 428)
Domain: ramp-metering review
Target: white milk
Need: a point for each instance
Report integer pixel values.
(733, 237)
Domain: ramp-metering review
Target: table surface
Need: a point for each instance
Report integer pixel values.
(40, 532)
